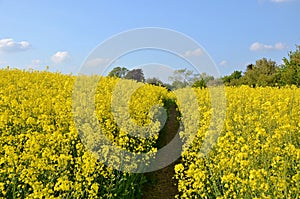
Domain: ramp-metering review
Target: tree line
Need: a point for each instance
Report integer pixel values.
(181, 78)
(267, 73)
(264, 72)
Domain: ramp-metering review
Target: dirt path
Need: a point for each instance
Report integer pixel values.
(161, 184)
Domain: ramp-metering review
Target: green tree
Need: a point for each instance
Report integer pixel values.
(183, 77)
(120, 72)
(207, 78)
(201, 83)
(179, 84)
(290, 72)
(215, 82)
(154, 80)
(263, 73)
(233, 79)
(135, 74)
(202, 80)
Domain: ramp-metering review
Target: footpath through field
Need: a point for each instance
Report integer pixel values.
(161, 184)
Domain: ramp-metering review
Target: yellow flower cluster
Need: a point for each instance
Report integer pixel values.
(257, 154)
(46, 138)
(123, 111)
(42, 155)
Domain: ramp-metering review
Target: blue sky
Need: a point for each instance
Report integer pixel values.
(61, 34)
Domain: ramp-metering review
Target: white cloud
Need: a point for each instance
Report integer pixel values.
(280, 46)
(274, 1)
(223, 63)
(97, 62)
(60, 57)
(36, 62)
(256, 46)
(9, 45)
(259, 46)
(193, 53)
(279, 1)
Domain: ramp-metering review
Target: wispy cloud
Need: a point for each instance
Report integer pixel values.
(279, 1)
(36, 62)
(193, 53)
(280, 46)
(223, 63)
(257, 46)
(9, 45)
(97, 62)
(60, 57)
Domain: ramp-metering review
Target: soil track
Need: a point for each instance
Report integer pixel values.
(161, 184)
